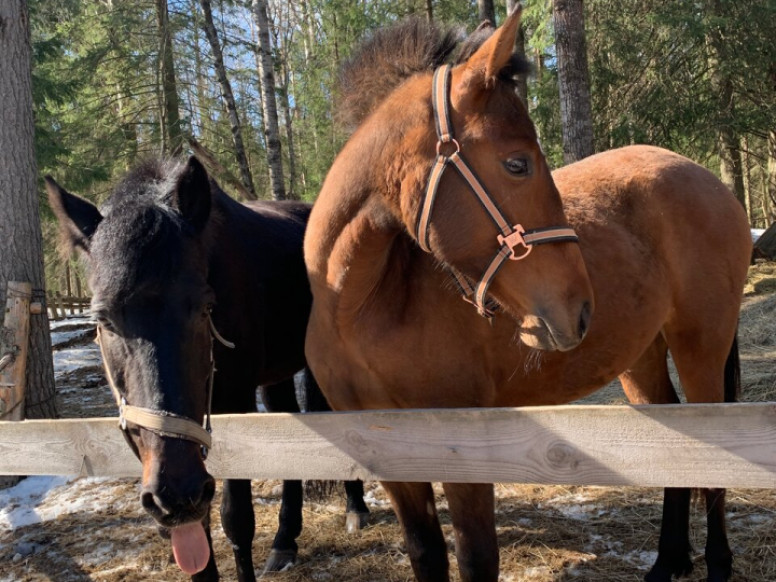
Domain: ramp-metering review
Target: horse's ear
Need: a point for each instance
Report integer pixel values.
(192, 195)
(78, 218)
(483, 67)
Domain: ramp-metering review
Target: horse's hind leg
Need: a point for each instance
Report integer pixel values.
(719, 558)
(648, 382)
(415, 508)
(281, 397)
(239, 525)
(706, 357)
(476, 547)
(356, 511)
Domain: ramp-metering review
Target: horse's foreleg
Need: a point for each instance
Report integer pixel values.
(476, 547)
(415, 508)
(356, 513)
(719, 558)
(239, 525)
(284, 548)
(210, 573)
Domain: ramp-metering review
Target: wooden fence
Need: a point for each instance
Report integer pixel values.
(711, 445)
(60, 306)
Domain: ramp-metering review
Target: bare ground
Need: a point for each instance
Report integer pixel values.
(546, 534)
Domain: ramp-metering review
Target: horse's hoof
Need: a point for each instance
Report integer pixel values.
(662, 573)
(355, 521)
(279, 561)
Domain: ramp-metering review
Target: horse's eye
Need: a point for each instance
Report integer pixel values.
(518, 166)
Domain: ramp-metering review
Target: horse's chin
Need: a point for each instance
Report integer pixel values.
(535, 333)
(166, 522)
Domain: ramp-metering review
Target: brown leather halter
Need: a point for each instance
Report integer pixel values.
(163, 422)
(509, 236)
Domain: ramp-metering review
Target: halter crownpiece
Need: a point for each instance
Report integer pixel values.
(509, 238)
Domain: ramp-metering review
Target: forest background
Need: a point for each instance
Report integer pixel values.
(250, 86)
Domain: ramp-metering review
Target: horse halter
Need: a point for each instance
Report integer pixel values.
(509, 236)
(162, 422)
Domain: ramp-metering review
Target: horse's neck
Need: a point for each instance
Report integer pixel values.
(360, 239)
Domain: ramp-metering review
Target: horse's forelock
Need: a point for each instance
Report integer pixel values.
(386, 58)
(139, 244)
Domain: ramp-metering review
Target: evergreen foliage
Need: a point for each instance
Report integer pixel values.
(656, 68)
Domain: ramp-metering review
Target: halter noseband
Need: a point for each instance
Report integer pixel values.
(509, 237)
(163, 422)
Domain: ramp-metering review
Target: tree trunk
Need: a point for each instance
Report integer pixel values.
(486, 11)
(268, 102)
(22, 256)
(285, 105)
(747, 179)
(522, 81)
(731, 169)
(172, 133)
(770, 189)
(430, 10)
(573, 79)
(231, 105)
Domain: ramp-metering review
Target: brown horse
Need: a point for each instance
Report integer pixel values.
(665, 244)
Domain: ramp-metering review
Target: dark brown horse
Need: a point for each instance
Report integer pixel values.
(664, 244)
(179, 272)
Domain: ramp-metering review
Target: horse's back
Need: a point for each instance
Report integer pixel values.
(675, 207)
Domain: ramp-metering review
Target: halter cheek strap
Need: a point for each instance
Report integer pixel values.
(160, 421)
(514, 241)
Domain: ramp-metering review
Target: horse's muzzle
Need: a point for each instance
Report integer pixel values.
(177, 489)
(538, 332)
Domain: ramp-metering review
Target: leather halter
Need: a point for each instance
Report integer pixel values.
(163, 422)
(509, 236)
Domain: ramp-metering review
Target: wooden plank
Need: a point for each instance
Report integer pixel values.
(13, 349)
(731, 445)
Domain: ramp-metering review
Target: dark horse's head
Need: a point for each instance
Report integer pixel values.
(146, 252)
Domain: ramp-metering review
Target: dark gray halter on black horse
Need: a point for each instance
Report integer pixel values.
(172, 259)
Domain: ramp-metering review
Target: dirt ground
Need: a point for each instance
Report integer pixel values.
(546, 534)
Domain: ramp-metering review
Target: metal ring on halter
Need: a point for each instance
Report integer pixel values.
(453, 141)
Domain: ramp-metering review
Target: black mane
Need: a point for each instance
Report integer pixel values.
(141, 238)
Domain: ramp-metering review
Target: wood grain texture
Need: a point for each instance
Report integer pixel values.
(711, 445)
(13, 377)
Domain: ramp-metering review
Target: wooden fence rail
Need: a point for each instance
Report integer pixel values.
(711, 445)
(59, 305)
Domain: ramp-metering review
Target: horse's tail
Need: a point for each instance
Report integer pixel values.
(733, 373)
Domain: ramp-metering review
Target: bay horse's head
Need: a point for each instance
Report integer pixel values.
(147, 258)
(471, 185)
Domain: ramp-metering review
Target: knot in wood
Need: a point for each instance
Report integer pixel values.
(562, 456)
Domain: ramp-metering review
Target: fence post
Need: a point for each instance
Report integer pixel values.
(13, 350)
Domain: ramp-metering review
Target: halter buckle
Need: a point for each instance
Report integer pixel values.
(512, 240)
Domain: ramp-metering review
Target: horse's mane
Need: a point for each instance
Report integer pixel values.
(388, 56)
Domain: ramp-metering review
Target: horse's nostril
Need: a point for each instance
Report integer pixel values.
(148, 501)
(584, 319)
(208, 490)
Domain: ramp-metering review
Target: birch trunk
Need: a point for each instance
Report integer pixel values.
(231, 106)
(268, 101)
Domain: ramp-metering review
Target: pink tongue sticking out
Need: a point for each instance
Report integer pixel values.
(190, 548)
